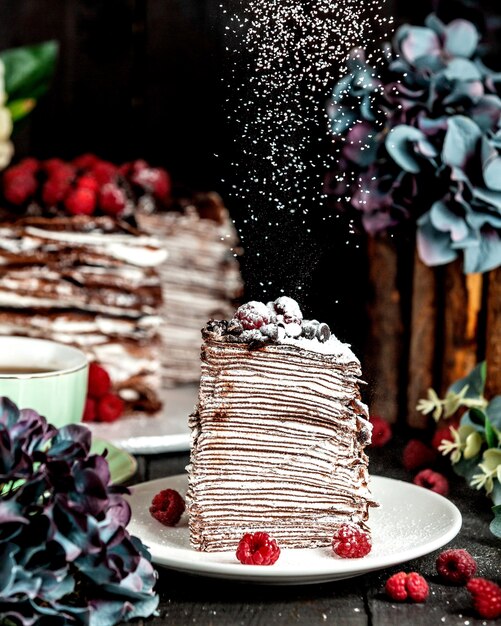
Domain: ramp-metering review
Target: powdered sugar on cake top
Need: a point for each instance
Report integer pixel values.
(279, 323)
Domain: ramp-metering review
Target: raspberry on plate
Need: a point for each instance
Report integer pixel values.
(167, 507)
(253, 315)
(402, 586)
(416, 454)
(350, 542)
(486, 597)
(99, 382)
(433, 481)
(456, 566)
(257, 549)
(109, 408)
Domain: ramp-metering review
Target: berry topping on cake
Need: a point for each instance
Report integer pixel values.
(99, 382)
(167, 507)
(381, 431)
(323, 333)
(456, 566)
(433, 481)
(416, 454)
(287, 310)
(109, 408)
(309, 328)
(253, 315)
(350, 542)
(486, 597)
(81, 201)
(402, 586)
(112, 199)
(257, 549)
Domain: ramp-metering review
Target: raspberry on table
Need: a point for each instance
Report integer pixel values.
(416, 454)
(456, 566)
(381, 431)
(253, 315)
(257, 549)
(350, 542)
(109, 408)
(167, 507)
(486, 597)
(433, 481)
(403, 586)
(99, 381)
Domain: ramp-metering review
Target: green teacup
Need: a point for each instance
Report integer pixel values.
(46, 376)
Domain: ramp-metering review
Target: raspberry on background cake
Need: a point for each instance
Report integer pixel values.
(279, 433)
(83, 246)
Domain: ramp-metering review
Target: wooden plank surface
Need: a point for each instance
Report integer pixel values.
(423, 329)
(186, 600)
(493, 334)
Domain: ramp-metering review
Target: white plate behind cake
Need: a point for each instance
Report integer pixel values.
(167, 431)
(410, 523)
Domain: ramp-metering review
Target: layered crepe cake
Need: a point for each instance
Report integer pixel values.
(279, 432)
(115, 267)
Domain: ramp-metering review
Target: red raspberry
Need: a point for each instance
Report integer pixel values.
(81, 202)
(417, 587)
(289, 308)
(87, 181)
(444, 433)
(417, 454)
(395, 587)
(456, 566)
(486, 597)
(253, 315)
(112, 199)
(52, 166)
(350, 542)
(401, 586)
(90, 410)
(104, 172)
(109, 408)
(29, 165)
(162, 186)
(54, 191)
(86, 161)
(19, 186)
(167, 507)
(381, 432)
(152, 179)
(99, 382)
(433, 481)
(257, 549)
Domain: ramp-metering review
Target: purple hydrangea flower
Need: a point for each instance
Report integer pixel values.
(422, 143)
(65, 554)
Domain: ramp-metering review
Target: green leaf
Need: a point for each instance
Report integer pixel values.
(475, 381)
(493, 411)
(29, 70)
(496, 492)
(490, 434)
(21, 108)
(495, 525)
(467, 467)
(476, 418)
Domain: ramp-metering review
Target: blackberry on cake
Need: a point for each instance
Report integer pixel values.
(278, 435)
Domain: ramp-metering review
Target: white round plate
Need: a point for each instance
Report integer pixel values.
(167, 431)
(410, 523)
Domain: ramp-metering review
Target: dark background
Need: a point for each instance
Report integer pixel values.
(149, 79)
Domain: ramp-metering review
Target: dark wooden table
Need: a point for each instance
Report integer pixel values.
(187, 600)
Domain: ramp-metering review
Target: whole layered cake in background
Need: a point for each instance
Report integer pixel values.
(85, 249)
(279, 432)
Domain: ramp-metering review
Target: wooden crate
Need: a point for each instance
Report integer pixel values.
(427, 331)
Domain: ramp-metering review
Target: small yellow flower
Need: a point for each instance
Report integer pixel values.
(491, 468)
(465, 441)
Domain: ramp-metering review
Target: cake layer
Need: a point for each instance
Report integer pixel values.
(200, 279)
(278, 440)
